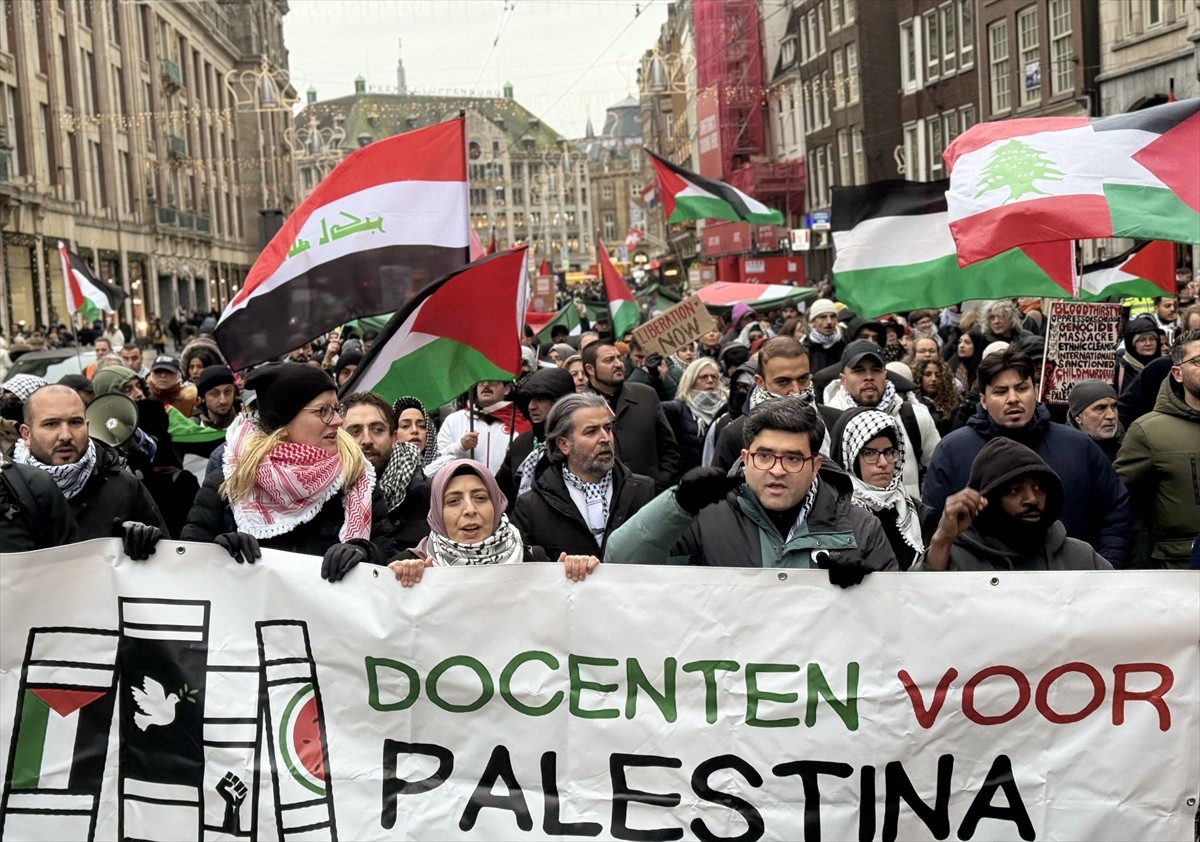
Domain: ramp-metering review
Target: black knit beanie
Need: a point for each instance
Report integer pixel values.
(283, 389)
(212, 377)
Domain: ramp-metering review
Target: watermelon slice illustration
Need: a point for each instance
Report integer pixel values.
(300, 740)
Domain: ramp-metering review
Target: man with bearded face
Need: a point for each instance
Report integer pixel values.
(536, 394)
(581, 493)
(1007, 518)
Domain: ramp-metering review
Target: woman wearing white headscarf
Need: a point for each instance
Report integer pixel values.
(870, 446)
(699, 401)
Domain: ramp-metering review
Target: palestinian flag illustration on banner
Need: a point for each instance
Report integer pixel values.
(64, 712)
(163, 659)
(1041, 179)
(296, 736)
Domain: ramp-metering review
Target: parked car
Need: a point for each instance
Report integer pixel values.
(51, 365)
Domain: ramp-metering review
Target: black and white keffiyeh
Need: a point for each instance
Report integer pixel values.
(761, 395)
(399, 472)
(71, 478)
(502, 547)
(817, 338)
(841, 399)
(528, 466)
(597, 496)
(859, 430)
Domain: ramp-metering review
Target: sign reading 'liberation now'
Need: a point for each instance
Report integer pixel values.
(188, 697)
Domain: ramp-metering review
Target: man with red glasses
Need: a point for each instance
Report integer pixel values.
(784, 507)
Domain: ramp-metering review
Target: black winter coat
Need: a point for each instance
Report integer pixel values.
(729, 445)
(112, 494)
(687, 434)
(211, 516)
(509, 475)
(645, 442)
(548, 517)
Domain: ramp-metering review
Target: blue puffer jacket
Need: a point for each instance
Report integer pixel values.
(1096, 508)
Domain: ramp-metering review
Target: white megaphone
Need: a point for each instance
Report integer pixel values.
(112, 419)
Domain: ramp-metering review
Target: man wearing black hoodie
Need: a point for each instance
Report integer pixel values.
(1007, 518)
(536, 394)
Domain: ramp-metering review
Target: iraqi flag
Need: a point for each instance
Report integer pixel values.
(85, 292)
(389, 220)
(1040, 179)
(622, 306)
(462, 329)
(895, 253)
(687, 195)
(1147, 270)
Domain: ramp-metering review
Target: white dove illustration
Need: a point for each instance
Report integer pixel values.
(155, 706)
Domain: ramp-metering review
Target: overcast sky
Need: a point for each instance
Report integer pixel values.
(567, 59)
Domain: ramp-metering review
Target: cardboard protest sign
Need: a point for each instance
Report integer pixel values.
(504, 702)
(684, 323)
(1080, 341)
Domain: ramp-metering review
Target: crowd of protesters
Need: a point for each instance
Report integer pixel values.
(805, 436)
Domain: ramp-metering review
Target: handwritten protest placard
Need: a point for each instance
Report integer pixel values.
(191, 698)
(684, 323)
(1081, 338)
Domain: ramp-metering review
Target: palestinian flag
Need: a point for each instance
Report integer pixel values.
(86, 292)
(1147, 270)
(1040, 179)
(687, 195)
(895, 253)
(568, 316)
(760, 297)
(621, 304)
(461, 329)
(389, 220)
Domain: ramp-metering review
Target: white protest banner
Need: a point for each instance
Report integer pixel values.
(1080, 341)
(684, 323)
(505, 702)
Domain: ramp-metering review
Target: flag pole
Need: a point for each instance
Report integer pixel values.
(471, 413)
(70, 316)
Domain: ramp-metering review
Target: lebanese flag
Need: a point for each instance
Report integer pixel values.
(1039, 179)
(688, 195)
(388, 220)
(461, 329)
(1147, 270)
(86, 292)
(621, 304)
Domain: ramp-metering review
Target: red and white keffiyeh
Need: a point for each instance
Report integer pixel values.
(291, 484)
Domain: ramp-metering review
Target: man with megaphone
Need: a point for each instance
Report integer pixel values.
(104, 496)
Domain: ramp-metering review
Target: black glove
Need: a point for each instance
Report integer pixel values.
(844, 574)
(139, 539)
(240, 546)
(702, 487)
(652, 363)
(339, 559)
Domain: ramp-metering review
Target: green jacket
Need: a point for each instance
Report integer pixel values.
(1159, 462)
(736, 532)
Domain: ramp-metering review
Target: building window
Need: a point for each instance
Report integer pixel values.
(825, 110)
(839, 73)
(966, 33)
(933, 49)
(806, 95)
(98, 192)
(119, 90)
(609, 223)
(835, 15)
(912, 155)
(12, 131)
(1031, 65)
(999, 66)
(6, 23)
(845, 178)
(966, 118)
(909, 68)
(606, 192)
(126, 182)
(860, 158)
(821, 28)
(852, 72)
(937, 145)
(1062, 57)
(949, 20)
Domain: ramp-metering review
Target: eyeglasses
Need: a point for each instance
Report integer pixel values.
(708, 375)
(870, 455)
(1194, 362)
(325, 413)
(793, 463)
